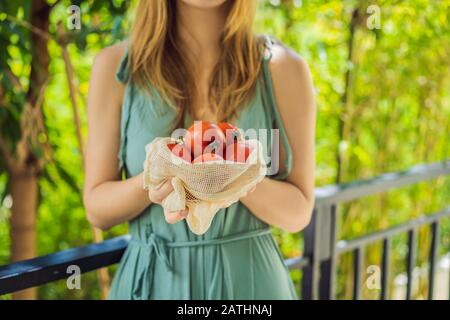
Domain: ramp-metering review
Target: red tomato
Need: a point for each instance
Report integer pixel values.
(200, 135)
(207, 157)
(238, 152)
(232, 133)
(180, 151)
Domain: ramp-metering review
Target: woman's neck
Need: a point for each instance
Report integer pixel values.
(199, 31)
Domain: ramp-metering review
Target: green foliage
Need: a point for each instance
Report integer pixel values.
(397, 114)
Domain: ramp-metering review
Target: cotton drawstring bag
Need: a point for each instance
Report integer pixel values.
(203, 188)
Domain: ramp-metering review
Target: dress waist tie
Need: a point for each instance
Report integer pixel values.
(158, 247)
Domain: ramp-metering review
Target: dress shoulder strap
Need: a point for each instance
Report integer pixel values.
(268, 46)
(271, 107)
(122, 72)
(123, 75)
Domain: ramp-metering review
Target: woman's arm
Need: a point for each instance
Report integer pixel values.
(108, 200)
(289, 204)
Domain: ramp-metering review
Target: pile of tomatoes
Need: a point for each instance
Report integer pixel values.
(206, 142)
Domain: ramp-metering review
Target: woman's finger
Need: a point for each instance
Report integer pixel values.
(158, 195)
(174, 217)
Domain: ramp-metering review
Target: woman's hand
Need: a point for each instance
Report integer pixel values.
(158, 195)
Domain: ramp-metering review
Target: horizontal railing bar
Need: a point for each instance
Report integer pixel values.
(354, 190)
(53, 267)
(343, 246)
(49, 268)
(297, 263)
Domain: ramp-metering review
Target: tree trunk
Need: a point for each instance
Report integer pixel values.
(24, 173)
(40, 57)
(23, 188)
(343, 119)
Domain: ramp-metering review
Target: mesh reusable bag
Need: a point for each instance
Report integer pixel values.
(201, 187)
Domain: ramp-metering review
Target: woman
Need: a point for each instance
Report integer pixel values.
(198, 60)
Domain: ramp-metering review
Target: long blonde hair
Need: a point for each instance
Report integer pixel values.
(156, 57)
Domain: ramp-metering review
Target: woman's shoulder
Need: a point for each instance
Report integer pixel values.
(114, 52)
(103, 86)
(285, 62)
(291, 77)
(108, 60)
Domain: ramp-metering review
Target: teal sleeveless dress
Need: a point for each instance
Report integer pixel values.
(237, 258)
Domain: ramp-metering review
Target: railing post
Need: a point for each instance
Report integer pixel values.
(434, 249)
(385, 269)
(319, 245)
(309, 287)
(411, 261)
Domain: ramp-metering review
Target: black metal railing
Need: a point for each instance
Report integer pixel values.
(321, 246)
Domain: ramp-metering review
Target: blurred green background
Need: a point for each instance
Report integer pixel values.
(383, 105)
